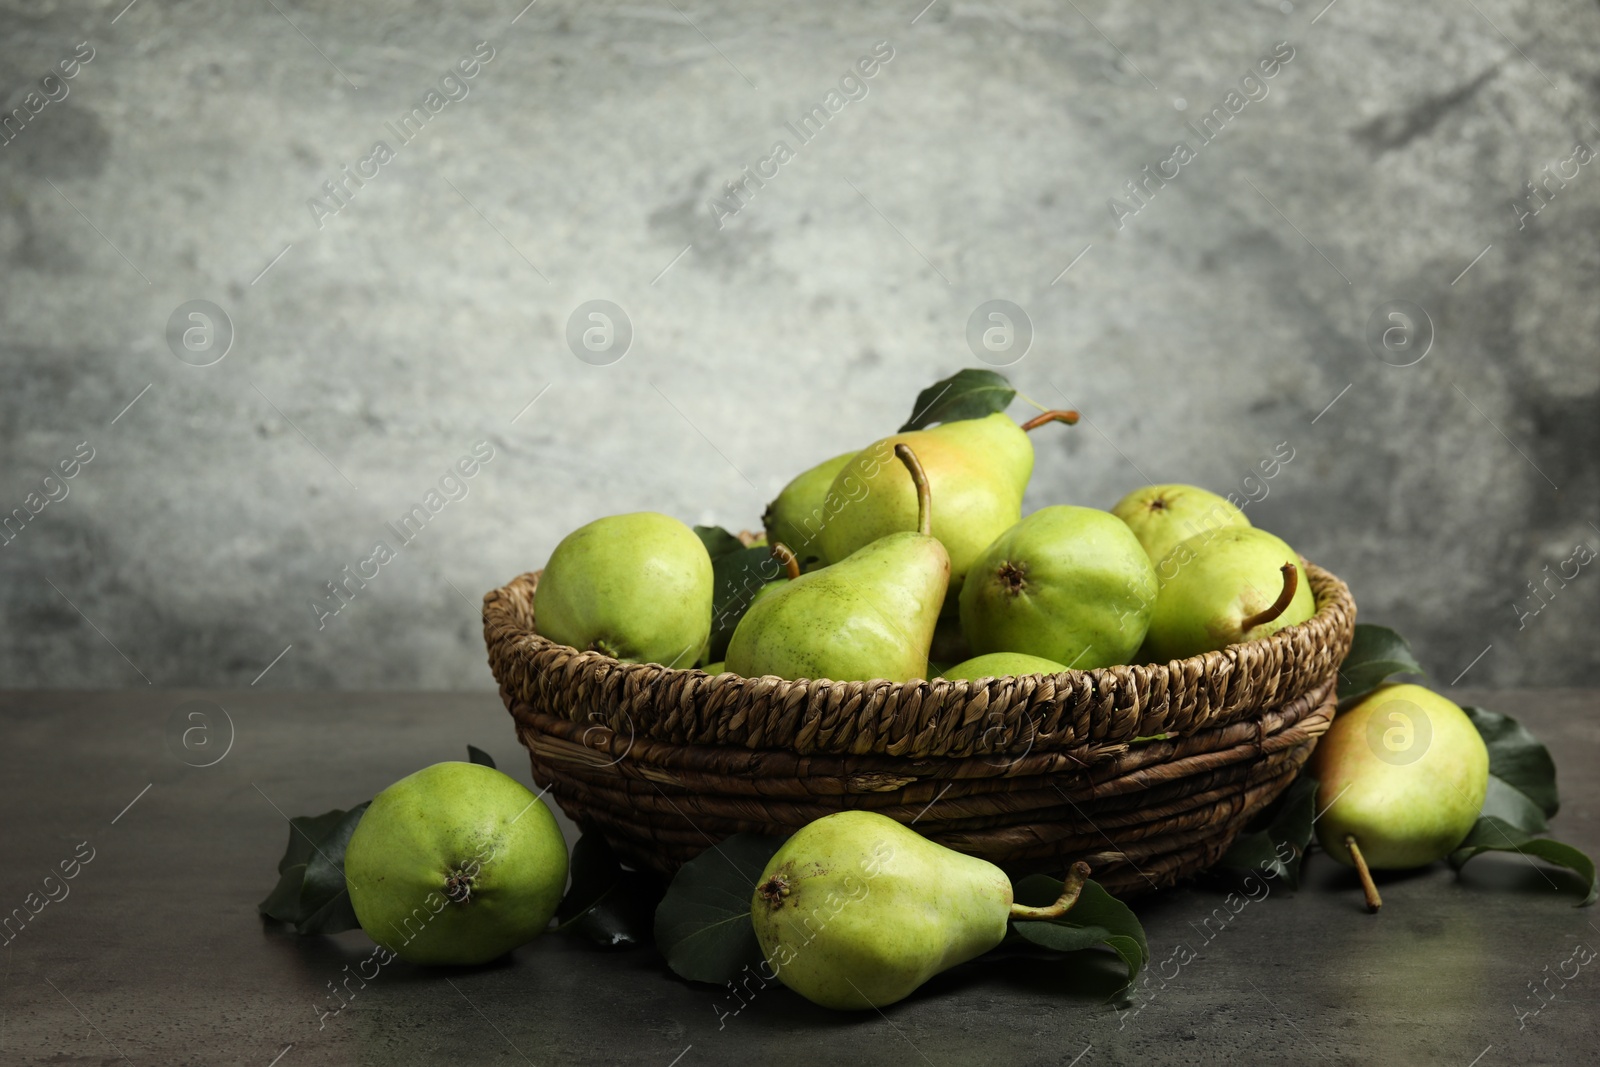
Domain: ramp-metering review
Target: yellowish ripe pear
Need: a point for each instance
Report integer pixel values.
(1402, 776)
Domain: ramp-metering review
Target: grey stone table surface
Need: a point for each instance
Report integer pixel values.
(155, 953)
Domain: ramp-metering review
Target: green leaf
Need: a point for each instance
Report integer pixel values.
(1511, 805)
(607, 903)
(1376, 653)
(736, 577)
(967, 394)
(311, 895)
(718, 542)
(1097, 919)
(479, 756)
(1287, 823)
(703, 925)
(1518, 758)
(1497, 835)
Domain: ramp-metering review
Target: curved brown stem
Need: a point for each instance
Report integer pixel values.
(919, 478)
(1068, 417)
(1291, 582)
(1374, 901)
(1069, 896)
(785, 556)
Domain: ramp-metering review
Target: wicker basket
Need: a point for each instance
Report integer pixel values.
(1029, 772)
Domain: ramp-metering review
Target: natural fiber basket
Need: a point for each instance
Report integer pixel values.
(1029, 772)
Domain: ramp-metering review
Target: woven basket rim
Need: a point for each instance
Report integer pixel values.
(1331, 596)
(924, 717)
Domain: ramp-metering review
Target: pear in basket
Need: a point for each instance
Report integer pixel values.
(1162, 515)
(977, 469)
(637, 587)
(797, 514)
(1224, 587)
(870, 615)
(1066, 583)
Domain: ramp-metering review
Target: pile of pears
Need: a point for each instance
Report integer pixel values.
(912, 559)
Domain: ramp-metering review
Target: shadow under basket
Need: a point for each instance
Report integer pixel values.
(1030, 772)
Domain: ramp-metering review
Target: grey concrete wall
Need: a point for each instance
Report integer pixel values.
(376, 341)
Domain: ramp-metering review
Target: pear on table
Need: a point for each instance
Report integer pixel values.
(869, 616)
(856, 910)
(1402, 775)
(977, 469)
(1225, 587)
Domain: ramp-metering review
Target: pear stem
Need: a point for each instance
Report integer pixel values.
(1068, 417)
(1291, 582)
(1374, 901)
(919, 478)
(1069, 896)
(786, 557)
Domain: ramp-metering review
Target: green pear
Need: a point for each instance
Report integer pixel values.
(977, 468)
(871, 615)
(1162, 515)
(1000, 665)
(798, 513)
(638, 587)
(456, 863)
(1224, 587)
(857, 911)
(1068, 584)
(716, 668)
(1401, 778)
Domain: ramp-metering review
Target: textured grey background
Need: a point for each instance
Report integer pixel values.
(1219, 321)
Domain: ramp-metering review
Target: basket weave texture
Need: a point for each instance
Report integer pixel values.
(1028, 772)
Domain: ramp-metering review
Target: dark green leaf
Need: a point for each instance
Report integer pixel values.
(624, 917)
(334, 916)
(311, 894)
(718, 542)
(594, 873)
(967, 394)
(1497, 835)
(1518, 758)
(1098, 918)
(478, 755)
(1376, 653)
(703, 925)
(736, 577)
(606, 903)
(1511, 805)
(1287, 823)
(283, 903)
